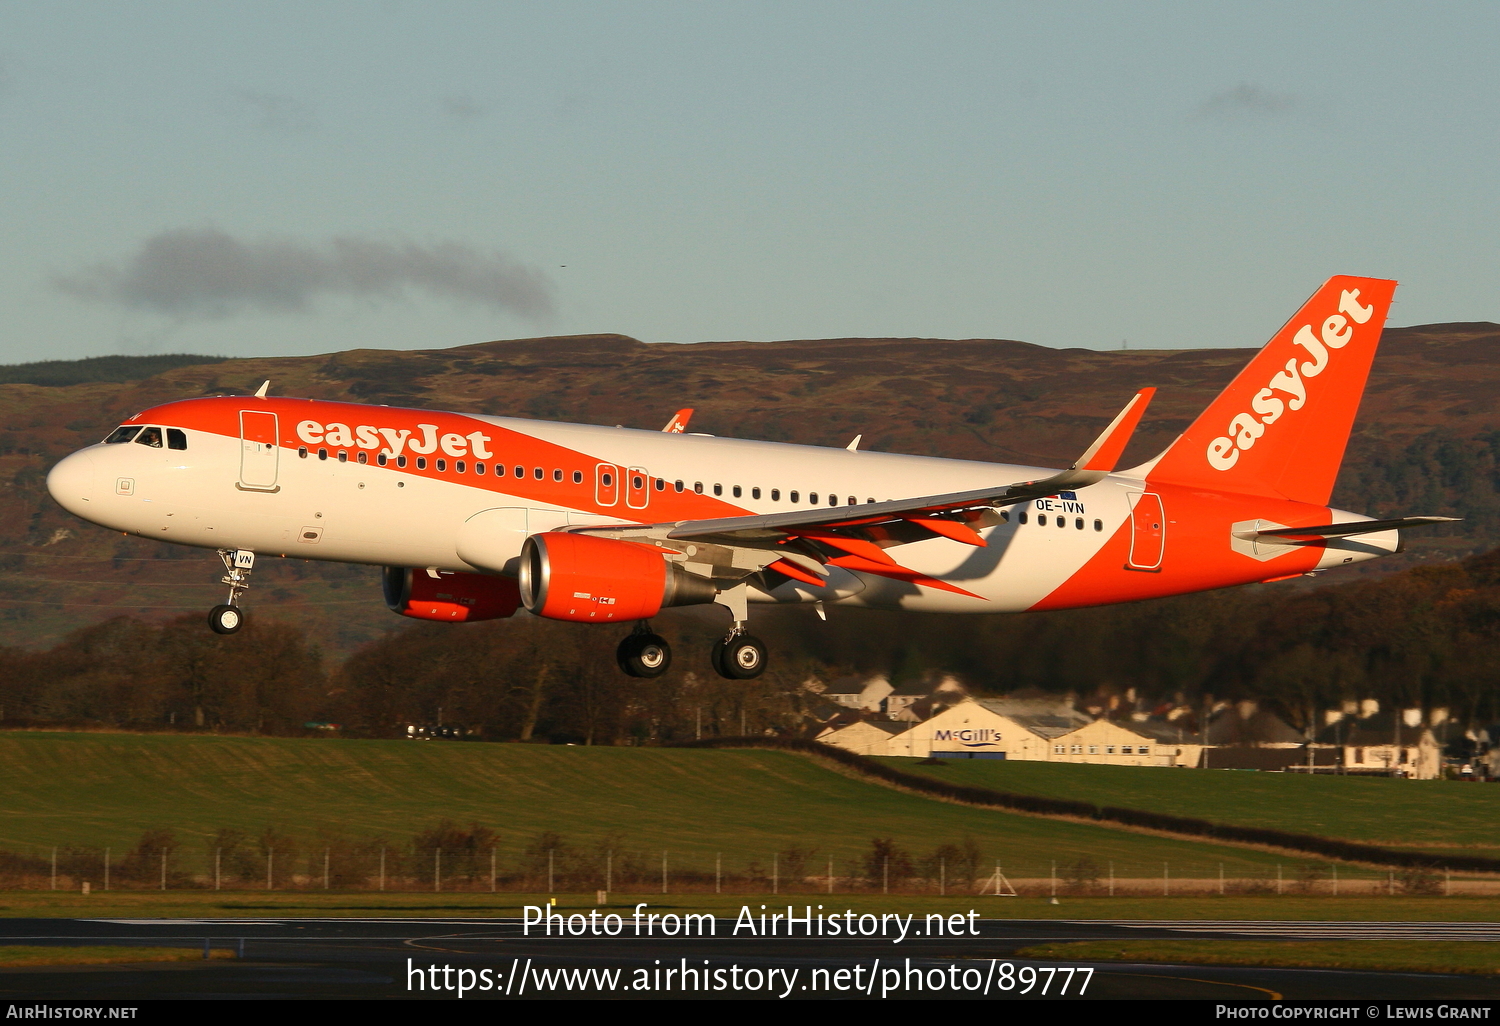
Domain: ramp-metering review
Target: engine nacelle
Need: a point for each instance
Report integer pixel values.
(600, 580)
(450, 597)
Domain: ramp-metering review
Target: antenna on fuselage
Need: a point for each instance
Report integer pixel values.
(260, 393)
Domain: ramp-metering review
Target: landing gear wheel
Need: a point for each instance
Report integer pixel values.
(644, 655)
(739, 658)
(226, 619)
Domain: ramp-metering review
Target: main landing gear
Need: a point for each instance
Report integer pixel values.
(644, 654)
(739, 656)
(229, 617)
(647, 654)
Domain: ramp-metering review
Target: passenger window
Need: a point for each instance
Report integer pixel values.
(557, 475)
(362, 458)
(1078, 523)
(736, 491)
(698, 487)
(421, 461)
(833, 500)
(401, 462)
(660, 485)
(677, 485)
(302, 453)
(792, 497)
(536, 472)
(323, 455)
(343, 456)
(578, 478)
(1005, 516)
(775, 494)
(150, 436)
(718, 489)
(755, 493)
(1021, 517)
(520, 472)
(381, 459)
(460, 466)
(176, 438)
(442, 464)
(121, 434)
(479, 468)
(853, 501)
(812, 497)
(1062, 521)
(1098, 525)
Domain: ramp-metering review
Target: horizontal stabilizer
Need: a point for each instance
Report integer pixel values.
(1350, 529)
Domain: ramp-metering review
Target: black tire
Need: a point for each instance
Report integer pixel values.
(716, 659)
(743, 658)
(644, 655)
(226, 619)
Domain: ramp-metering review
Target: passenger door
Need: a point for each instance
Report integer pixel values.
(259, 452)
(1148, 533)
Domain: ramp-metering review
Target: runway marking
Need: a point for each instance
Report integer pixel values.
(412, 942)
(1275, 996)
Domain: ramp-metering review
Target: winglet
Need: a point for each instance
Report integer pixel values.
(854, 445)
(679, 422)
(260, 393)
(1106, 450)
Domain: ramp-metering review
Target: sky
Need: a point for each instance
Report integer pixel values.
(257, 179)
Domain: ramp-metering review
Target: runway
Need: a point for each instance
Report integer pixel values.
(370, 959)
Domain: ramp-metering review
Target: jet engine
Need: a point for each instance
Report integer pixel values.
(600, 580)
(451, 597)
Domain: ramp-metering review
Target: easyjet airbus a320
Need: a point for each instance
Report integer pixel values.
(474, 517)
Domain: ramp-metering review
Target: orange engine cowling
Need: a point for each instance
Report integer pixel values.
(450, 597)
(601, 580)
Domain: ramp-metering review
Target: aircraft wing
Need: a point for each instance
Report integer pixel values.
(799, 543)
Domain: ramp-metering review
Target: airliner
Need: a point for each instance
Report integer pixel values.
(475, 517)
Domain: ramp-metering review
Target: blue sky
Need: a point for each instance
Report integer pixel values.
(286, 178)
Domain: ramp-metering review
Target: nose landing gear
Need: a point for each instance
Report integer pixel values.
(229, 617)
(644, 654)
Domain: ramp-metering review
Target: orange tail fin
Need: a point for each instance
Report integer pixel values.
(1281, 426)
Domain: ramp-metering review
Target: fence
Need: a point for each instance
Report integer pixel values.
(565, 869)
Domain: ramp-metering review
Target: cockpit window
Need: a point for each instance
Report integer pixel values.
(121, 434)
(150, 436)
(176, 438)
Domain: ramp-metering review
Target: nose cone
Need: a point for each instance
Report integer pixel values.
(73, 482)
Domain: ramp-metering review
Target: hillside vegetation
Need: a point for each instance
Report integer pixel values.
(1427, 637)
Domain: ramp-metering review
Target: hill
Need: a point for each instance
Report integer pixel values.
(1427, 439)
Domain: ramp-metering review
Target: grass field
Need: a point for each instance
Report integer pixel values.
(97, 789)
(1424, 814)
